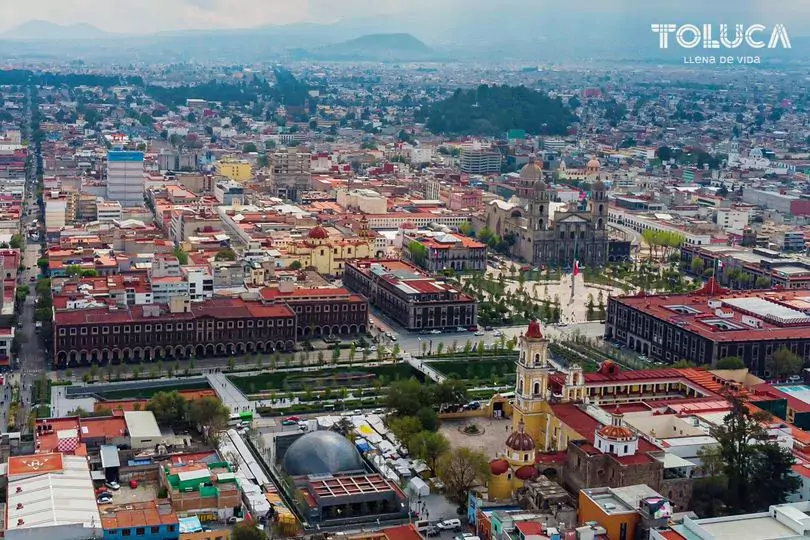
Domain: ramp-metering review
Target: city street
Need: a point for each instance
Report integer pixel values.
(30, 363)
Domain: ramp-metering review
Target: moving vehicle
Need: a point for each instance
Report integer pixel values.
(450, 525)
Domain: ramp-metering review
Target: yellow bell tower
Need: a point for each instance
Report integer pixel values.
(531, 411)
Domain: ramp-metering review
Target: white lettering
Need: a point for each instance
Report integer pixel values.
(749, 36)
(663, 31)
(738, 36)
(690, 36)
(779, 34)
(708, 42)
(680, 36)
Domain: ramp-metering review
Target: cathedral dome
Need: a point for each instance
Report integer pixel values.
(520, 441)
(531, 171)
(498, 466)
(318, 233)
(616, 431)
(594, 164)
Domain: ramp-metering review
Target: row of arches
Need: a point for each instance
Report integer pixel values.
(134, 355)
(333, 330)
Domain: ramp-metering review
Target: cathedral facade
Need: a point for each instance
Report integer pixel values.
(544, 233)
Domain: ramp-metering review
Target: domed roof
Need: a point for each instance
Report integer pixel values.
(594, 164)
(322, 452)
(531, 171)
(534, 330)
(527, 472)
(318, 233)
(540, 186)
(616, 433)
(520, 441)
(498, 466)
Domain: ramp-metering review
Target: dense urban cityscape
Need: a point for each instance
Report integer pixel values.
(376, 289)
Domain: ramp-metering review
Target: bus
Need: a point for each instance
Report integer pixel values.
(239, 419)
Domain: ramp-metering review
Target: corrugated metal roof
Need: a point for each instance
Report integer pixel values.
(109, 456)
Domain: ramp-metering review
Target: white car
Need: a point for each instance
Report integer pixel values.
(479, 333)
(115, 486)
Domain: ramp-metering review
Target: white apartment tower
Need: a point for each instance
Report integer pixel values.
(125, 180)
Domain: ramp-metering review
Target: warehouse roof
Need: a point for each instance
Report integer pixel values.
(142, 424)
(62, 497)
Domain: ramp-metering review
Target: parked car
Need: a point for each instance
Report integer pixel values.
(435, 331)
(432, 530)
(105, 498)
(115, 486)
(479, 333)
(450, 525)
(288, 422)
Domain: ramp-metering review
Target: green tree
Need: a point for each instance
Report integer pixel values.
(295, 265)
(738, 436)
(247, 530)
(405, 427)
(772, 477)
(182, 256)
(784, 363)
(249, 148)
(225, 254)
(17, 241)
(168, 407)
(428, 418)
(762, 282)
(697, 265)
(210, 414)
(461, 469)
(428, 446)
(406, 397)
(418, 252)
(447, 393)
(730, 362)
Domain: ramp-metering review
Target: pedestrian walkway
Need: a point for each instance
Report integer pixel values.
(230, 394)
(419, 365)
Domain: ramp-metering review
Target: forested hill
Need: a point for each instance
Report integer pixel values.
(492, 110)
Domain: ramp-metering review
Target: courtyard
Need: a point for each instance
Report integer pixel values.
(490, 438)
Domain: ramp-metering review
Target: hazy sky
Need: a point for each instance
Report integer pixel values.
(144, 16)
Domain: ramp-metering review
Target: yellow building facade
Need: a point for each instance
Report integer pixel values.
(235, 169)
(328, 255)
(535, 428)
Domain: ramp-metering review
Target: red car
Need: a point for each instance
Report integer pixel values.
(293, 419)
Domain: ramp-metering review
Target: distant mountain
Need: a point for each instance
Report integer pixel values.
(381, 47)
(44, 30)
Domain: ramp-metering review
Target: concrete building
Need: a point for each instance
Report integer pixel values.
(477, 160)
(781, 202)
(436, 252)
(627, 512)
(55, 210)
(712, 323)
(143, 429)
(366, 201)
(733, 221)
(228, 192)
(51, 496)
(178, 161)
(413, 299)
(107, 212)
(781, 522)
(125, 180)
(290, 174)
(236, 169)
(141, 520)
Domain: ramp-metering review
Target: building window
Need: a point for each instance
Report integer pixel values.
(260, 324)
(72, 331)
(126, 532)
(155, 530)
(220, 325)
(230, 324)
(61, 331)
(127, 329)
(94, 330)
(190, 326)
(158, 328)
(326, 309)
(83, 330)
(240, 324)
(140, 531)
(171, 528)
(137, 328)
(250, 324)
(148, 328)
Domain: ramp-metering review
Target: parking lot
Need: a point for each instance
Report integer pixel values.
(145, 492)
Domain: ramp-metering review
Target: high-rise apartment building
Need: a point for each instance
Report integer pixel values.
(477, 160)
(125, 180)
(290, 174)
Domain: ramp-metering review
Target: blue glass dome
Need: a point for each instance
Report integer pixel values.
(322, 452)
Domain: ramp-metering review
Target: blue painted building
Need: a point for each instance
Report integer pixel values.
(140, 521)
